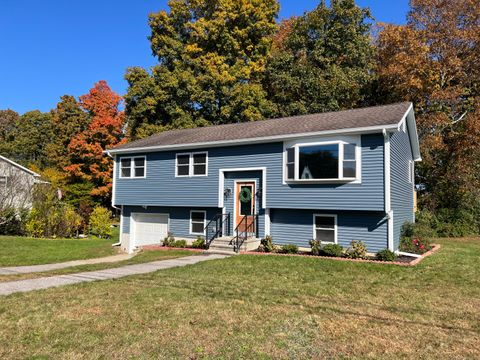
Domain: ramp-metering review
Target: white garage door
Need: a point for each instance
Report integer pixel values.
(150, 228)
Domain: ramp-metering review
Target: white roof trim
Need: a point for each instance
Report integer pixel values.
(362, 130)
(20, 166)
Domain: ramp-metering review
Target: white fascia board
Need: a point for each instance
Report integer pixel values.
(265, 139)
(20, 166)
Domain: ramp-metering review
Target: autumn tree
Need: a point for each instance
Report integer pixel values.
(322, 60)
(88, 164)
(212, 56)
(433, 61)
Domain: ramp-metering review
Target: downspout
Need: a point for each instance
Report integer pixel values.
(387, 185)
(113, 200)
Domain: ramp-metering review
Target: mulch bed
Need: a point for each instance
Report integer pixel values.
(401, 260)
(161, 247)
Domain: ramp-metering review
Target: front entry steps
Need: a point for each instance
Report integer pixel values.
(224, 245)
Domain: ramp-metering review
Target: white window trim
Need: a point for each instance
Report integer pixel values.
(191, 164)
(340, 179)
(335, 228)
(204, 222)
(132, 167)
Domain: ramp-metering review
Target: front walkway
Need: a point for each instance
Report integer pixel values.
(49, 267)
(11, 287)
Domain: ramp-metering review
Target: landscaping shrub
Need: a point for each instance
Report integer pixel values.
(386, 255)
(414, 245)
(180, 244)
(357, 250)
(266, 245)
(290, 249)
(100, 222)
(50, 217)
(169, 240)
(199, 243)
(316, 246)
(12, 222)
(334, 250)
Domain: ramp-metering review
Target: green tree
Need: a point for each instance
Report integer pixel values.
(30, 138)
(8, 121)
(321, 61)
(212, 56)
(69, 120)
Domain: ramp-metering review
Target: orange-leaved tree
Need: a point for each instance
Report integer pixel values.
(433, 61)
(105, 130)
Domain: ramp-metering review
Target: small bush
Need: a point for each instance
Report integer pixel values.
(290, 249)
(334, 250)
(180, 244)
(100, 222)
(12, 222)
(169, 240)
(386, 255)
(357, 250)
(316, 246)
(266, 245)
(199, 243)
(414, 245)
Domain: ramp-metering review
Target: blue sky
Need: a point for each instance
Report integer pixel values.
(56, 47)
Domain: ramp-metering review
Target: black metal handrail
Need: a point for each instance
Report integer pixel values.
(242, 235)
(217, 227)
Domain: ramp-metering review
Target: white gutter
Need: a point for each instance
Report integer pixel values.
(113, 198)
(387, 185)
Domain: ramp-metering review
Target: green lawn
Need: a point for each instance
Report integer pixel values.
(142, 257)
(259, 307)
(28, 251)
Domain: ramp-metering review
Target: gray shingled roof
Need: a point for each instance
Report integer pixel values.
(349, 119)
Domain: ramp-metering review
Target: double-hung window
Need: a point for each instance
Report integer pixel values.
(325, 228)
(192, 164)
(322, 162)
(133, 167)
(197, 222)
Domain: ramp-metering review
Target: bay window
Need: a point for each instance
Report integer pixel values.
(321, 162)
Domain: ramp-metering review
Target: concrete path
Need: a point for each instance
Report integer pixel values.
(11, 287)
(48, 267)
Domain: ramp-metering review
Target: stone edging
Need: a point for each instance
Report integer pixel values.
(435, 247)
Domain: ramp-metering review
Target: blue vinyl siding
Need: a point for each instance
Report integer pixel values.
(179, 218)
(296, 227)
(162, 188)
(401, 188)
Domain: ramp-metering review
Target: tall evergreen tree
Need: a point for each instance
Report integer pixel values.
(212, 55)
(322, 60)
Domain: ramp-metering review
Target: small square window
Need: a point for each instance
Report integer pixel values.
(126, 167)
(197, 222)
(325, 228)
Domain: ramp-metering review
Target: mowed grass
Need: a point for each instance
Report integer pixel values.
(259, 307)
(142, 257)
(18, 250)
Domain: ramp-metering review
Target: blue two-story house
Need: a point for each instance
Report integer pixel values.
(337, 176)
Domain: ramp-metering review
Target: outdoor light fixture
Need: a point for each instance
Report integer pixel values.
(227, 192)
